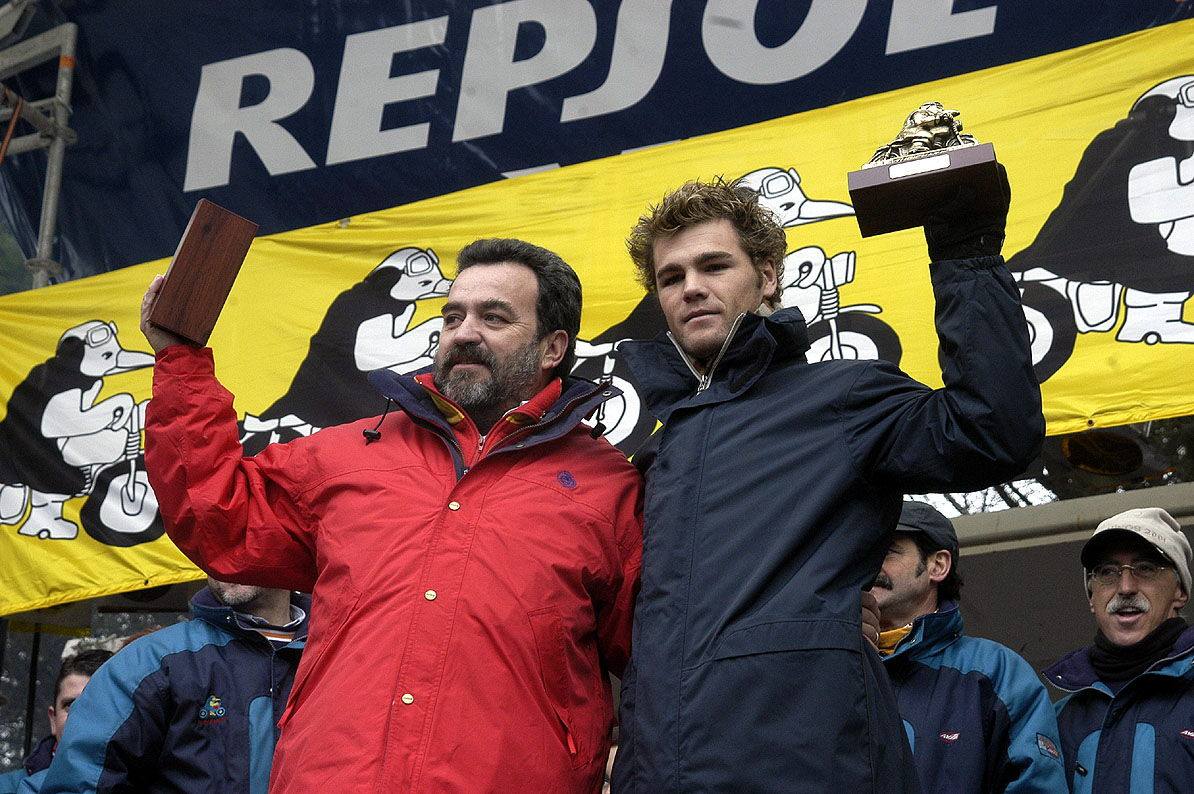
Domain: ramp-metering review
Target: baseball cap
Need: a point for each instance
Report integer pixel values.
(1152, 524)
(928, 521)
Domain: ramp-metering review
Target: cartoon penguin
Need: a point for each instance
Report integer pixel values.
(780, 192)
(365, 328)
(54, 437)
(1127, 218)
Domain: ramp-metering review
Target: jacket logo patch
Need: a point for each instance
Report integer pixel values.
(212, 711)
(1047, 746)
(1189, 734)
(949, 738)
(566, 479)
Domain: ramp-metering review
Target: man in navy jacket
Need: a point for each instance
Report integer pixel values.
(192, 707)
(1128, 723)
(772, 491)
(977, 717)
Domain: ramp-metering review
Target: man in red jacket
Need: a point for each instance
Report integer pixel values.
(472, 556)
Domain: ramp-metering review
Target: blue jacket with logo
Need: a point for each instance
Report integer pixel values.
(189, 708)
(1138, 740)
(771, 497)
(976, 715)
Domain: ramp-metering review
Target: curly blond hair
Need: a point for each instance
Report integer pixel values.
(692, 203)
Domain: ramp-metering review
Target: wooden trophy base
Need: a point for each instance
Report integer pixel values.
(209, 256)
(902, 195)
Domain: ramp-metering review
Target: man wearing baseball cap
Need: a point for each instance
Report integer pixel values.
(1128, 724)
(977, 717)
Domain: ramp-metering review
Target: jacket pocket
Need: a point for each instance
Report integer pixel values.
(552, 648)
(309, 663)
(789, 635)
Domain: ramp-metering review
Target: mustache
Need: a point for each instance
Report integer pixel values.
(469, 354)
(883, 581)
(1131, 603)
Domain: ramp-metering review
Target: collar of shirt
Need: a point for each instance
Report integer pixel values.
(466, 431)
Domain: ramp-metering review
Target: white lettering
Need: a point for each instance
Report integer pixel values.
(366, 88)
(640, 43)
(927, 23)
(218, 117)
(490, 71)
(728, 31)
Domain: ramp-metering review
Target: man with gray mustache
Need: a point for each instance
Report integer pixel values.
(1128, 724)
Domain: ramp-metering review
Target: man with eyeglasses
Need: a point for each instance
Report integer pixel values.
(1128, 724)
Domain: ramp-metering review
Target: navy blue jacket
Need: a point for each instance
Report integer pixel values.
(189, 708)
(976, 715)
(1138, 740)
(31, 768)
(771, 495)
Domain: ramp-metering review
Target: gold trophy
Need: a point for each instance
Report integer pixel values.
(923, 168)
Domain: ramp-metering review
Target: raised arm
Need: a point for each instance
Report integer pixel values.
(240, 519)
(985, 426)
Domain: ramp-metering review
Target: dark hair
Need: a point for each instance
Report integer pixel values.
(761, 236)
(558, 307)
(950, 588)
(83, 663)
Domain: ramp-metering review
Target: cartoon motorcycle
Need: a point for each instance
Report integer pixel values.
(121, 509)
(625, 424)
(835, 331)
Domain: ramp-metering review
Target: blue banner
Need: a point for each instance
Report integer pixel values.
(301, 113)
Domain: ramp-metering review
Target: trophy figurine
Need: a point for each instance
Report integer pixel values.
(926, 165)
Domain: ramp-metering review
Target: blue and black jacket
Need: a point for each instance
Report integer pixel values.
(976, 715)
(36, 762)
(1139, 739)
(190, 708)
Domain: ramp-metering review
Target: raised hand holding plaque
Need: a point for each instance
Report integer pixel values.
(923, 168)
(209, 256)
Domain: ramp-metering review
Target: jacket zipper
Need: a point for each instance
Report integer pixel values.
(706, 380)
(526, 431)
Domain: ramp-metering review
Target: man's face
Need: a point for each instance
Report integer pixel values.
(906, 584)
(68, 692)
(704, 280)
(233, 595)
(1128, 610)
(489, 353)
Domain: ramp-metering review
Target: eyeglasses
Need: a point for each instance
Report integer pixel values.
(1108, 574)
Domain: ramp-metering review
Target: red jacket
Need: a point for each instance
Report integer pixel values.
(467, 605)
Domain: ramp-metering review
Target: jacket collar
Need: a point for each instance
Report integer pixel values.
(930, 633)
(667, 380)
(578, 398)
(41, 755)
(205, 607)
(1074, 670)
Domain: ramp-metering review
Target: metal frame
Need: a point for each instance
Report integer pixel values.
(50, 118)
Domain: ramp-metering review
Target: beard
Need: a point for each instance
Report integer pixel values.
(233, 595)
(508, 382)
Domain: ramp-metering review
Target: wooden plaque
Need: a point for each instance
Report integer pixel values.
(888, 198)
(200, 276)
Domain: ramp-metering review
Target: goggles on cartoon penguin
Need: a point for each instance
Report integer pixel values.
(100, 335)
(1185, 95)
(422, 262)
(778, 184)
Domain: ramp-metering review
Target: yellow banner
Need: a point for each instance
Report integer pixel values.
(1098, 142)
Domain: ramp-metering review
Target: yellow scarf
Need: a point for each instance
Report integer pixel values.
(888, 640)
